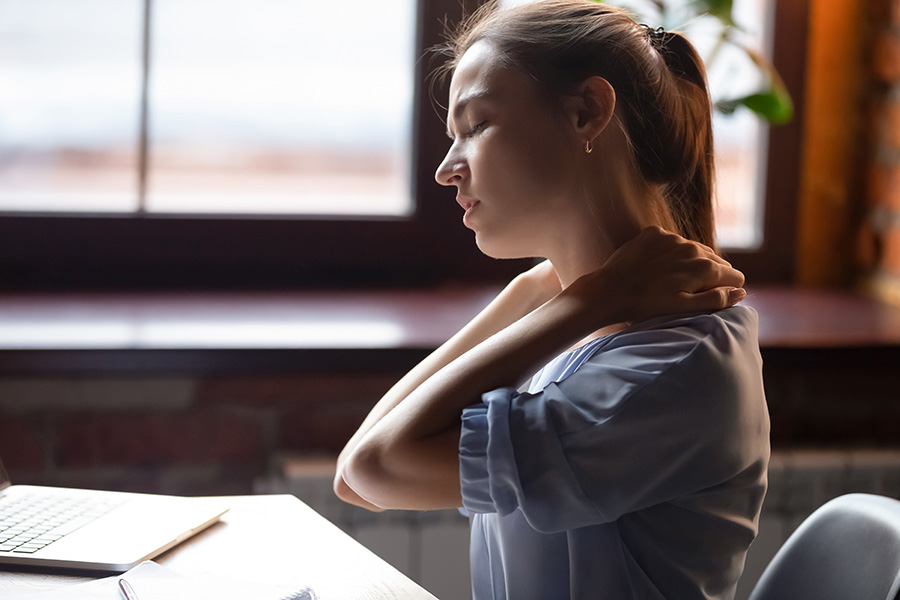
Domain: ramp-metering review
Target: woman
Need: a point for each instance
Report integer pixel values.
(603, 419)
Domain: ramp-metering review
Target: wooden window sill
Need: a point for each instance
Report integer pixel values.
(308, 331)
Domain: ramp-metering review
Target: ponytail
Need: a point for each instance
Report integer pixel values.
(690, 191)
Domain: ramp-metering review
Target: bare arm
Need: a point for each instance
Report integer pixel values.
(523, 294)
(409, 457)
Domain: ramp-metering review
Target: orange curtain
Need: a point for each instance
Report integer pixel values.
(831, 194)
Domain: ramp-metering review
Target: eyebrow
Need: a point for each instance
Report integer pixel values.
(461, 106)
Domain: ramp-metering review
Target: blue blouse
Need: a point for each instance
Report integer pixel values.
(633, 467)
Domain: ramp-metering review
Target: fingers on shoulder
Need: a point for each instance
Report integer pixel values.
(712, 274)
(717, 298)
(706, 268)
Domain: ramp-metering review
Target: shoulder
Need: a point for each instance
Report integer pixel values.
(716, 347)
(733, 326)
(687, 361)
(705, 368)
(698, 376)
(710, 339)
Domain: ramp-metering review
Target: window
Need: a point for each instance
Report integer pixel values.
(772, 260)
(70, 97)
(252, 107)
(108, 180)
(326, 113)
(255, 107)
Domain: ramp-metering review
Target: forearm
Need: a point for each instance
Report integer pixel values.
(386, 404)
(524, 294)
(409, 459)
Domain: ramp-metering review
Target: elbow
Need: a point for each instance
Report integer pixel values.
(342, 490)
(348, 495)
(364, 480)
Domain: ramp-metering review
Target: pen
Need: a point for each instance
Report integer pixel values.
(127, 590)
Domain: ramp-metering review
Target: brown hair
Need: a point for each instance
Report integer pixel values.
(659, 79)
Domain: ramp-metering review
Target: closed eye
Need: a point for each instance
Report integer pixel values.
(476, 129)
(473, 131)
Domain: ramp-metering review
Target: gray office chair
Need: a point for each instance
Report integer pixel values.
(848, 549)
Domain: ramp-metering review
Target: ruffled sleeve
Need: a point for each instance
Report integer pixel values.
(489, 469)
(488, 476)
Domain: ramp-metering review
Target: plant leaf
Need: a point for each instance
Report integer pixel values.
(773, 105)
(721, 9)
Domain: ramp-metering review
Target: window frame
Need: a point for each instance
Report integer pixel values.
(165, 252)
(774, 262)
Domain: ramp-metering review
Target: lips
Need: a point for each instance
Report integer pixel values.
(466, 202)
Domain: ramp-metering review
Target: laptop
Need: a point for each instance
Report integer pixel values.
(94, 530)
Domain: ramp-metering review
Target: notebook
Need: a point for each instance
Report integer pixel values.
(94, 530)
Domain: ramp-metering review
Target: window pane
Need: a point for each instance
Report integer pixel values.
(741, 138)
(69, 104)
(280, 106)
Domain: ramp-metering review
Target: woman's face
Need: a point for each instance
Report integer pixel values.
(511, 159)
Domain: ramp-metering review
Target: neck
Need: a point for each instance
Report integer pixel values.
(608, 221)
(612, 206)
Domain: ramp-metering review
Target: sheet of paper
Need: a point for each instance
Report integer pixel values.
(155, 582)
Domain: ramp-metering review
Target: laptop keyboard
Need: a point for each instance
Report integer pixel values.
(31, 522)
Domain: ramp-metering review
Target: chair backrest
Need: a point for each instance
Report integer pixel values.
(848, 549)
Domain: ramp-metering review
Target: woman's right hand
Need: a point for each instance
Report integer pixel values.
(659, 273)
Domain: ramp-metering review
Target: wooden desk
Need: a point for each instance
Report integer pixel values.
(270, 538)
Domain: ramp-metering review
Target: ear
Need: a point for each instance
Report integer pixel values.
(592, 107)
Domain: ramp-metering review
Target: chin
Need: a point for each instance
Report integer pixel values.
(499, 250)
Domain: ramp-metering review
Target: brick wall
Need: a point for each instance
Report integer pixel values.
(880, 247)
(175, 434)
(219, 434)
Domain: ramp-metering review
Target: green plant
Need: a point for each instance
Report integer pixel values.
(771, 101)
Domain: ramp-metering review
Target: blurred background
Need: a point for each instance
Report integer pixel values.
(221, 242)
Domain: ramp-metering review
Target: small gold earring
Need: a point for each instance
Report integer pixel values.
(588, 147)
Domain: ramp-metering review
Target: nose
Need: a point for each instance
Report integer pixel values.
(452, 169)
